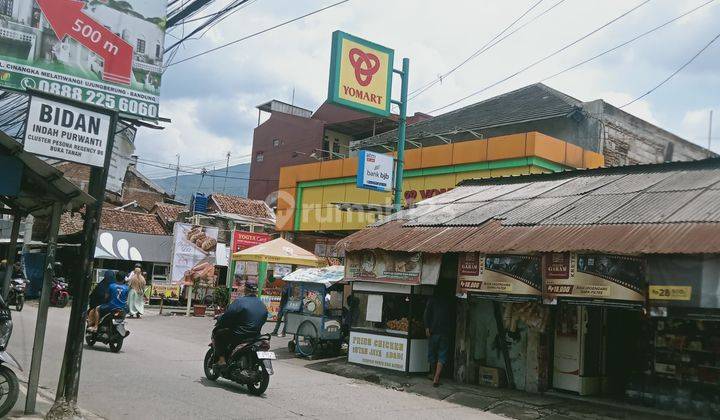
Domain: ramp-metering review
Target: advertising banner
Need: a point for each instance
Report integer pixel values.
(123, 150)
(377, 350)
(688, 281)
(392, 267)
(193, 256)
(106, 53)
(360, 74)
(244, 240)
(501, 277)
(608, 280)
(167, 291)
(66, 132)
(375, 171)
(136, 247)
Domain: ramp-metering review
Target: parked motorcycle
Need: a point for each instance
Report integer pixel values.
(59, 295)
(10, 389)
(111, 331)
(249, 364)
(16, 295)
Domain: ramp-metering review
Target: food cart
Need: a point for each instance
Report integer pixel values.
(265, 259)
(315, 310)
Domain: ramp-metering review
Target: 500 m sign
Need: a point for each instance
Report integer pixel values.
(105, 53)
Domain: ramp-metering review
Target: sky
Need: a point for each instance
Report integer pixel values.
(212, 99)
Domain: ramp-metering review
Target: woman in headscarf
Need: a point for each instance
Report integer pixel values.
(136, 298)
(99, 295)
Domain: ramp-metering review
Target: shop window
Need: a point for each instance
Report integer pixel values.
(389, 313)
(6, 7)
(158, 51)
(276, 142)
(259, 157)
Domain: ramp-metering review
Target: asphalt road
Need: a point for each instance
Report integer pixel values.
(159, 375)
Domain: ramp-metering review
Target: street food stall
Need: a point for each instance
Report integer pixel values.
(264, 260)
(315, 309)
(389, 293)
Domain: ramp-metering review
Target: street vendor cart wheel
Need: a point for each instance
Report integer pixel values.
(306, 339)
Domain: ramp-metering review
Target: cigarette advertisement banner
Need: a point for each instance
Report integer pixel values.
(106, 53)
(608, 280)
(684, 281)
(193, 257)
(412, 268)
(501, 277)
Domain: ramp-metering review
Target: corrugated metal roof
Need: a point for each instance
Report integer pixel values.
(659, 208)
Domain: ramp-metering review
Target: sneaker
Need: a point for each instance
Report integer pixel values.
(281, 335)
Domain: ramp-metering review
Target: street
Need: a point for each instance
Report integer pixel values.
(158, 374)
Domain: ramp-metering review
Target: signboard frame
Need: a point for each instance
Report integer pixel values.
(338, 38)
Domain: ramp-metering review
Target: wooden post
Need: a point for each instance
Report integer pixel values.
(503, 344)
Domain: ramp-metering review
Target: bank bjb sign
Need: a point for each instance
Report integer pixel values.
(360, 74)
(375, 171)
(66, 132)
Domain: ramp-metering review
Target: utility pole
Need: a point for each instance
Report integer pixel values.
(710, 133)
(227, 169)
(400, 167)
(177, 173)
(213, 180)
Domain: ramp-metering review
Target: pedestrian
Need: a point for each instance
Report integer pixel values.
(136, 296)
(439, 320)
(282, 313)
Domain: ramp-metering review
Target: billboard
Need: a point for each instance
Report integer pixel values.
(104, 52)
(412, 268)
(506, 277)
(193, 257)
(375, 171)
(360, 74)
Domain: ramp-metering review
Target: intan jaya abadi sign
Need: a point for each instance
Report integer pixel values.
(104, 53)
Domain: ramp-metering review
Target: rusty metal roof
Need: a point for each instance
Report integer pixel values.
(659, 208)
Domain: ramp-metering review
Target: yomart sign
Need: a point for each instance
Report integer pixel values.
(360, 74)
(67, 132)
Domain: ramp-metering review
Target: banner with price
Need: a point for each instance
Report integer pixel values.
(106, 53)
(689, 281)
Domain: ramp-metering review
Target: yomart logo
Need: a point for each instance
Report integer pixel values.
(365, 65)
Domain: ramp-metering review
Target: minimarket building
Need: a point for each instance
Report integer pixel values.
(600, 282)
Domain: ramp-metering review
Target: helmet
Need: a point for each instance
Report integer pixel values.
(251, 289)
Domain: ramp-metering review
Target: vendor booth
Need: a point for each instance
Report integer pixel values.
(265, 265)
(389, 294)
(315, 309)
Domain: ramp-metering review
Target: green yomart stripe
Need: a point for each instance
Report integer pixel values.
(442, 170)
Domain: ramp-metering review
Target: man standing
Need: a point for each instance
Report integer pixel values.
(439, 320)
(284, 297)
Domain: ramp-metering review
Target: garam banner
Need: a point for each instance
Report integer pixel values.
(500, 277)
(360, 74)
(103, 52)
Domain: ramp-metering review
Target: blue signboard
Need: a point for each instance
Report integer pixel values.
(375, 171)
(10, 176)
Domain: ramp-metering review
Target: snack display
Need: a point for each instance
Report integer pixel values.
(402, 325)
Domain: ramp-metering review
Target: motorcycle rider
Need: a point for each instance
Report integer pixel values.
(100, 295)
(118, 295)
(242, 320)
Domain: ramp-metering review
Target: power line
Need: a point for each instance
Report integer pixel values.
(208, 174)
(488, 45)
(258, 33)
(673, 74)
(545, 58)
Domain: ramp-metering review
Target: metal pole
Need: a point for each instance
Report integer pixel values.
(69, 381)
(397, 201)
(710, 132)
(189, 300)
(42, 314)
(12, 252)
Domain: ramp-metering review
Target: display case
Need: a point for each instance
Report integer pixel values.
(386, 326)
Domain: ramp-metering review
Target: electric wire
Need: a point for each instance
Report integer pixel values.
(258, 33)
(543, 59)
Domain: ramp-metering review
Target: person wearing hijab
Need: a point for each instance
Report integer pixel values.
(136, 299)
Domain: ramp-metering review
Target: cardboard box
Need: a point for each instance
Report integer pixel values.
(490, 376)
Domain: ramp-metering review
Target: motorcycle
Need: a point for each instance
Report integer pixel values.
(59, 295)
(249, 364)
(11, 389)
(111, 331)
(16, 295)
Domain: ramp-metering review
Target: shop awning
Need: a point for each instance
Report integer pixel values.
(326, 276)
(278, 251)
(38, 185)
(136, 247)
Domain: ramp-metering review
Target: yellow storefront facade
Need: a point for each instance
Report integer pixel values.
(309, 194)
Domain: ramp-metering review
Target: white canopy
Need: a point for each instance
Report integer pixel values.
(325, 275)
